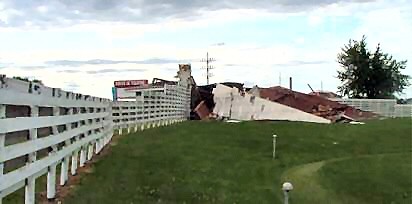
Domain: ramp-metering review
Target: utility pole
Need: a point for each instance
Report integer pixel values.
(208, 67)
(280, 78)
(321, 85)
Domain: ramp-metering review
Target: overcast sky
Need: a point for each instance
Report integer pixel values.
(83, 46)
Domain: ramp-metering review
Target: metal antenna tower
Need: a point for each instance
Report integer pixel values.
(208, 67)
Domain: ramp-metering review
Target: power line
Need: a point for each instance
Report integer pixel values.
(208, 67)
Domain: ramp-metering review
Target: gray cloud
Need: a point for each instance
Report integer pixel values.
(33, 67)
(5, 65)
(288, 64)
(231, 65)
(69, 71)
(105, 71)
(75, 63)
(71, 86)
(249, 84)
(300, 63)
(65, 12)
(219, 44)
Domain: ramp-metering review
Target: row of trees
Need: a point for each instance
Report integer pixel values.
(368, 74)
(27, 79)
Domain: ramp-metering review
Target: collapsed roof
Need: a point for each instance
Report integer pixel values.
(233, 103)
(313, 104)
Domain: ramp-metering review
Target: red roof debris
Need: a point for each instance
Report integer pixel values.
(202, 111)
(325, 94)
(313, 104)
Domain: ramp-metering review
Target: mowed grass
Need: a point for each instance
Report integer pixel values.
(215, 162)
(377, 179)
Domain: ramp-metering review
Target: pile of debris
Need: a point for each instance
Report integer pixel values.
(232, 103)
(313, 104)
(202, 100)
(204, 105)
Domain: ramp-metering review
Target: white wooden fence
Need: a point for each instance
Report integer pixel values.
(155, 107)
(403, 110)
(42, 127)
(384, 107)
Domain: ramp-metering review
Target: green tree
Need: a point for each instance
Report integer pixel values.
(370, 75)
(27, 79)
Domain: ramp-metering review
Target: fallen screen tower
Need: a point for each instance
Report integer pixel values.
(235, 104)
(278, 103)
(312, 104)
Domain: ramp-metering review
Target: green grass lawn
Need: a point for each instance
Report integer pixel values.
(215, 162)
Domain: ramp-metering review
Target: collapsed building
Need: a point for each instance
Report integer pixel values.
(202, 99)
(235, 104)
(233, 101)
(314, 104)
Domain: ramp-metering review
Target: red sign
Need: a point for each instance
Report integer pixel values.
(130, 83)
(132, 88)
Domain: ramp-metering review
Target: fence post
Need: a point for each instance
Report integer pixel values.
(83, 151)
(2, 140)
(75, 154)
(64, 174)
(101, 145)
(90, 145)
(51, 174)
(29, 189)
(82, 156)
(97, 146)
(90, 151)
(75, 157)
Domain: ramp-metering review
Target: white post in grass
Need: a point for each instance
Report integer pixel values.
(274, 146)
(286, 187)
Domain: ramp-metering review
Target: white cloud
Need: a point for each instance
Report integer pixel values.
(300, 40)
(42, 9)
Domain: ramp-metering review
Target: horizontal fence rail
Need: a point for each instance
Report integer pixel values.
(153, 108)
(384, 107)
(42, 128)
(403, 110)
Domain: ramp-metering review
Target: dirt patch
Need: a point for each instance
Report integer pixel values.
(64, 191)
